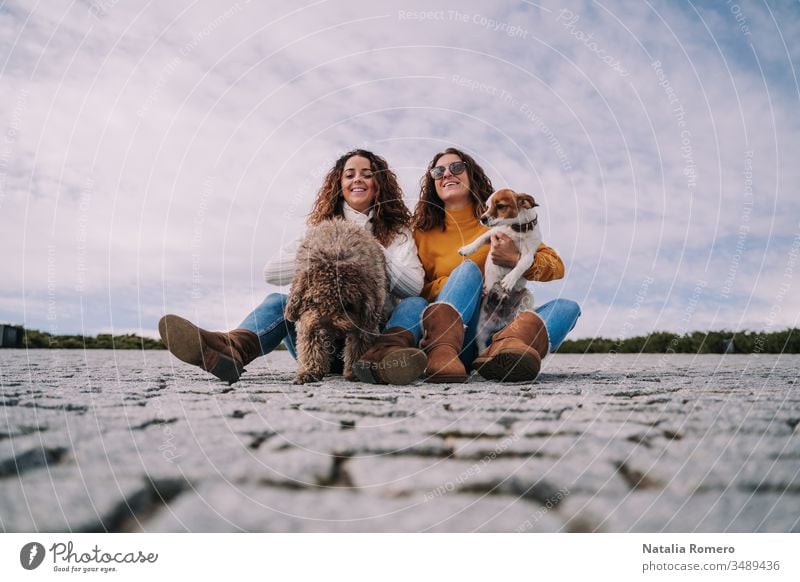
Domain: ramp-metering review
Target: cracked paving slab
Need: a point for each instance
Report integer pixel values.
(137, 441)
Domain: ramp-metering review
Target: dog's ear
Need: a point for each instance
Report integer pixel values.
(526, 201)
(296, 298)
(485, 206)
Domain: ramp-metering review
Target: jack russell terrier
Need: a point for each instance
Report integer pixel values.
(505, 291)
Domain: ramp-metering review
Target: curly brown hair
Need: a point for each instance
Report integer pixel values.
(429, 212)
(390, 212)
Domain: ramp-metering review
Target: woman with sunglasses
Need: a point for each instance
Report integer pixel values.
(452, 199)
(360, 188)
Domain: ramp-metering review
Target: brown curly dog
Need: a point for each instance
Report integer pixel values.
(338, 292)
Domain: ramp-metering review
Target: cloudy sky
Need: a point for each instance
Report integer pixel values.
(154, 155)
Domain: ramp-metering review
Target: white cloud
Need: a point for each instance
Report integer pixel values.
(153, 144)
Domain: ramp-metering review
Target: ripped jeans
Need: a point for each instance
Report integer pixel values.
(463, 291)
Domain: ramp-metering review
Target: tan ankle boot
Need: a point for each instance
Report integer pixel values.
(516, 352)
(223, 354)
(392, 359)
(443, 340)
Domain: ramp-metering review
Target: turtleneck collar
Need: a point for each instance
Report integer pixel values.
(460, 217)
(364, 220)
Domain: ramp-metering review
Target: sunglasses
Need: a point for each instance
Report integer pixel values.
(455, 169)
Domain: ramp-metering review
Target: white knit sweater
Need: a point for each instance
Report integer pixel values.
(406, 276)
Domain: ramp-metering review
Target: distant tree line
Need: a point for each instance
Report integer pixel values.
(660, 342)
(105, 341)
(34, 339)
(696, 342)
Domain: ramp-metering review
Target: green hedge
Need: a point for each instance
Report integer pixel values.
(34, 339)
(660, 342)
(104, 341)
(696, 342)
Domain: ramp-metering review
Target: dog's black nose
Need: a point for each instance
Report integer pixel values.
(484, 220)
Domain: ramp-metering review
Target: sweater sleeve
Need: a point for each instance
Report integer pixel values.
(547, 265)
(405, 272)
(279, 270)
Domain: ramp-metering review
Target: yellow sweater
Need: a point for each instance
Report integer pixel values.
(438, 252)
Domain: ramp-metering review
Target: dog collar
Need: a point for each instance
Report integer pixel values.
(525, 227)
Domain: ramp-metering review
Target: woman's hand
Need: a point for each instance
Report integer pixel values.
(504, 252)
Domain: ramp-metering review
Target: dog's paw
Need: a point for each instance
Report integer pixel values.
(466, 251)
(508, 282)
(495, 295)
(306, 378)
(350, 376)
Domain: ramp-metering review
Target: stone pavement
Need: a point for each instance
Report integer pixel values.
(133, 441)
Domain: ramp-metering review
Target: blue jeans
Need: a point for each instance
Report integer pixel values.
(268, 323)
(463, 291)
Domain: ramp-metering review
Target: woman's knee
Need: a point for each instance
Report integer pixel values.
(467, 268)
(277, 300)
(565, 307)
(565, 310)
(268, 314)
(467, 274)
(274, 303)
(569, 307)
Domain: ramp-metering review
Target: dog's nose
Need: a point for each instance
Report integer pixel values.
(484, 219)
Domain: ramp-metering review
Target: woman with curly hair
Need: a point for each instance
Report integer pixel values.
(360, 188)
(453, 194)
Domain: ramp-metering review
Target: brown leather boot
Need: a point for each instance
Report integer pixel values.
(223, 354)
(443, 340)
(392, 359)
(516, 352)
